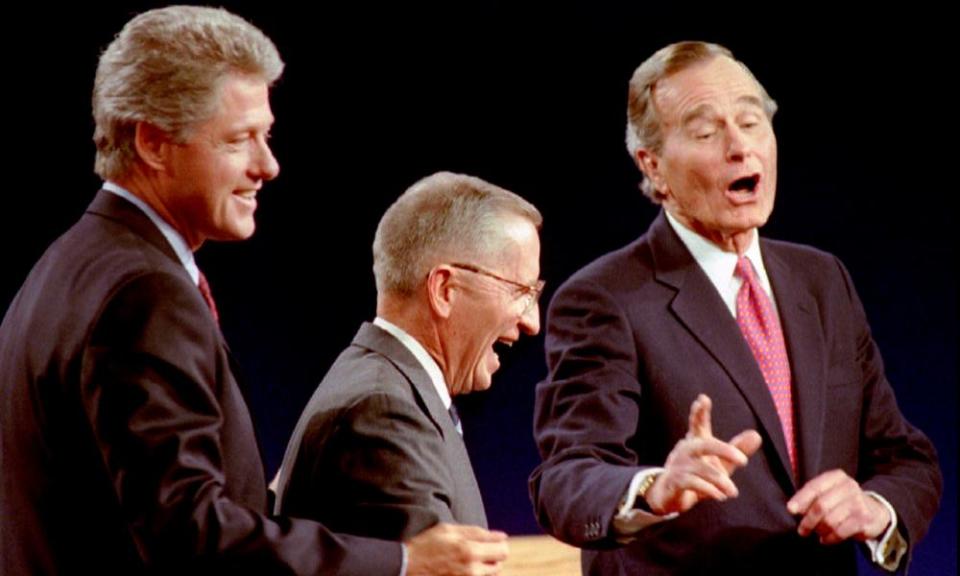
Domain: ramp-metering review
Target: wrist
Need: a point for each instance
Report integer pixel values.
(645, 492)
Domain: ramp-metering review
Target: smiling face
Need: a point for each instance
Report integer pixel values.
(213, 177)
(492, 311)
(717, 170)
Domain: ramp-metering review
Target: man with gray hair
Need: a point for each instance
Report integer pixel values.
(715, 401)
(378, 450)
(126, 446)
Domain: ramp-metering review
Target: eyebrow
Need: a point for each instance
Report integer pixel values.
(700, 111)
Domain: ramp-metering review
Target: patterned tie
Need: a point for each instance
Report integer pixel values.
(759, 324)
(456, 418)
(208, 297)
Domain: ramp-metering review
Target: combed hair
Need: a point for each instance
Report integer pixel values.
(444, 215)
(166, 67)
(643, 121)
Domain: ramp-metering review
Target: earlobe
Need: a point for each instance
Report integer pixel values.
(152, 145)
(649, 164)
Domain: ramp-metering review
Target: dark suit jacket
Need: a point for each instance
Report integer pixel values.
(634, 337)
(127, 446)
(375, 452)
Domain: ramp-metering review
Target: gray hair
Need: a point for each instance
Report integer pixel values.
(643, 122)
(444, 215)
(166, 67)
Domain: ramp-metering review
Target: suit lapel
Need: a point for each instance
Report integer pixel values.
(699, 308)
(120, 210)
(807, 352)
(381, 342)
(467, 506)
(108, 205)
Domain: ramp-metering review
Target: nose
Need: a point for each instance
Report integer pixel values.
(265, 164)
(738, 146)
(530, 320)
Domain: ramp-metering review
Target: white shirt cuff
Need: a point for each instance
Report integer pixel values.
(890, 548)
(403, 560)
(629, 520)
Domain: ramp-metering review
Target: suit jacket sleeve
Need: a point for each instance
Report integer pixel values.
(152, 384)
(586, 416)
(896, 460)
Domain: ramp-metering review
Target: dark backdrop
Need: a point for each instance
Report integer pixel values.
(532, 99)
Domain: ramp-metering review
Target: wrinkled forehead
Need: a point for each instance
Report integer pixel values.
(719, 82)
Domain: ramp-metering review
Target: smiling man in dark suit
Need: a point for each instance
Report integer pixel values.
(126, 446)
(377, 450)
(715, 402)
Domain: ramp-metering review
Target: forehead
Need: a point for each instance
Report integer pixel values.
(243, 99)
(521, 249)
(715, 85)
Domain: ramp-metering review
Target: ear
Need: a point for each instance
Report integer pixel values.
(440, 290)
(649, 164)
(152, 145)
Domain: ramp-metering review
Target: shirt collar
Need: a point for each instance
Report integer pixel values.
(719, 265)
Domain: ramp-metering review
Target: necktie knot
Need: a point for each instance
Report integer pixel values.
(204, 287)
(744, 270)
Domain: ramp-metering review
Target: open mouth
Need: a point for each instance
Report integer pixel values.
(745, 185)
(501, 346)
(247, 198)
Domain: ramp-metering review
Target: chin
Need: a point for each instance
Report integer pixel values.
(241, 231)
(480, 384)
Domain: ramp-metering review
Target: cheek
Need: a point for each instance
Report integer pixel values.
(694, 173)
(226, 173)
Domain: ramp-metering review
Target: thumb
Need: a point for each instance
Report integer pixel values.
(748, 442)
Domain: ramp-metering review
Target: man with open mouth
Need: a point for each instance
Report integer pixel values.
(378, 449)
(715, 399)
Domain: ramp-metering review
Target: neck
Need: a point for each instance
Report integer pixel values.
(406, 313)
(735, 242)
(140, 183)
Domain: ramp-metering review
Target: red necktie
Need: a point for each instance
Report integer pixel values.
(759, 324)
(208, 297)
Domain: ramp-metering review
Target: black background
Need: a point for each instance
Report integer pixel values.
(532, 99)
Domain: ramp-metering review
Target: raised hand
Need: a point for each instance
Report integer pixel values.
(700, 465)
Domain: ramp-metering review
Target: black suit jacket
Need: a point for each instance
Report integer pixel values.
(634, 337)
(127, 446)
(375, 452)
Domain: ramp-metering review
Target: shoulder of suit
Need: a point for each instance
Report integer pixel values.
(801, 259)
(794, 250)
(632, 260)
(360, 372)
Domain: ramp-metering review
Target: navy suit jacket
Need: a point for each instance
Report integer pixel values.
(634, 337)
(127, 446)
(375, 452)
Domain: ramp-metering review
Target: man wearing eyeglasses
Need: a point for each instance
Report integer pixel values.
(378, 450)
